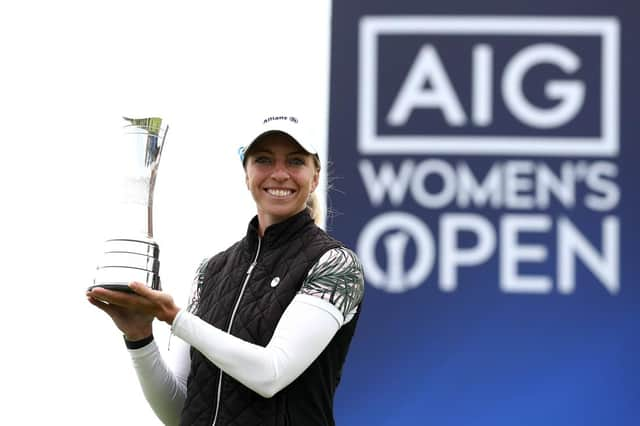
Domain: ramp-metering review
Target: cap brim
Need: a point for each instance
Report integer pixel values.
(310, 149)
(293, 131)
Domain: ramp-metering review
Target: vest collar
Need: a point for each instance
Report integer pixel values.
(278, 233)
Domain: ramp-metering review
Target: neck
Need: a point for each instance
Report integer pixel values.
(266, 220)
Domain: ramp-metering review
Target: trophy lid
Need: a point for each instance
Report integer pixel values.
(152, 125)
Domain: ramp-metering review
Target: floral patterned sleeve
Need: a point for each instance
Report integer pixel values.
(196, 286)
(338, 278)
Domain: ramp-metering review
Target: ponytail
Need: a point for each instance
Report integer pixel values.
(313, 204)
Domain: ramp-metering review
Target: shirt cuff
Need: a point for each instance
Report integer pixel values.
(137, 344)
(176, 321)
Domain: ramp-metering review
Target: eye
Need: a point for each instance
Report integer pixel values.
(297, 161)
(262, 159)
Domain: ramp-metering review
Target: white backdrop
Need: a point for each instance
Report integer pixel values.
(68, 71)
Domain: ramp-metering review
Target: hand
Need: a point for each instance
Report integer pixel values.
(134, 313)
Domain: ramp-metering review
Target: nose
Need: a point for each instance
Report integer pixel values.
(280, 172)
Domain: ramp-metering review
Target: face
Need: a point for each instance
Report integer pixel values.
(281, 176)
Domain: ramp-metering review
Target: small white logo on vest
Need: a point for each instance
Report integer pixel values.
(275, 281)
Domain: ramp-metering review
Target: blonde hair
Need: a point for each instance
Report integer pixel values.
(313, 203)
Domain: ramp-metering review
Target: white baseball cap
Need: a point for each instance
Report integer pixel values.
(288, 124)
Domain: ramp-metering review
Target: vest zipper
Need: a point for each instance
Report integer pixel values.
(233, 314)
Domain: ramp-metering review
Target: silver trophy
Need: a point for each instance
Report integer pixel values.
(133, 255)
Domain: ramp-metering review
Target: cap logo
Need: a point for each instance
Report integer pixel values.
(280, 117)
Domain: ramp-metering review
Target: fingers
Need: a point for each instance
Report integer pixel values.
(118, 298)
(164, 307)
(95, 302)
(105, 307)
(143, 300)
(141, 289)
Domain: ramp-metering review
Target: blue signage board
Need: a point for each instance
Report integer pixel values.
(483, 157)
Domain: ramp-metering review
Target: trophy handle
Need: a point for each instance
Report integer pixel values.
(152, 182)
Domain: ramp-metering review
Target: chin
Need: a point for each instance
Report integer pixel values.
(284, 212)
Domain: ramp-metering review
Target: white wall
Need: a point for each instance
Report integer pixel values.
(68, 71)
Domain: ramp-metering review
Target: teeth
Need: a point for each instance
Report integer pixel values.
(279, 192)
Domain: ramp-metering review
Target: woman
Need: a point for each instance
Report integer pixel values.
(270, 319)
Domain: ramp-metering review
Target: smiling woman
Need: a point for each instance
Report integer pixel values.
(67, 78)
(270, 318)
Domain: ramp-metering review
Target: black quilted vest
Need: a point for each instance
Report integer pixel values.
(288, 250)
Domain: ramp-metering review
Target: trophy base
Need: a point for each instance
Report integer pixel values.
(125, 260)
(114, 287)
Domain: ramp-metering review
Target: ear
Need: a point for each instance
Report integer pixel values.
(315, 180)
(246, 179)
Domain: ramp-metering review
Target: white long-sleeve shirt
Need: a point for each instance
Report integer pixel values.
(306, 327)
